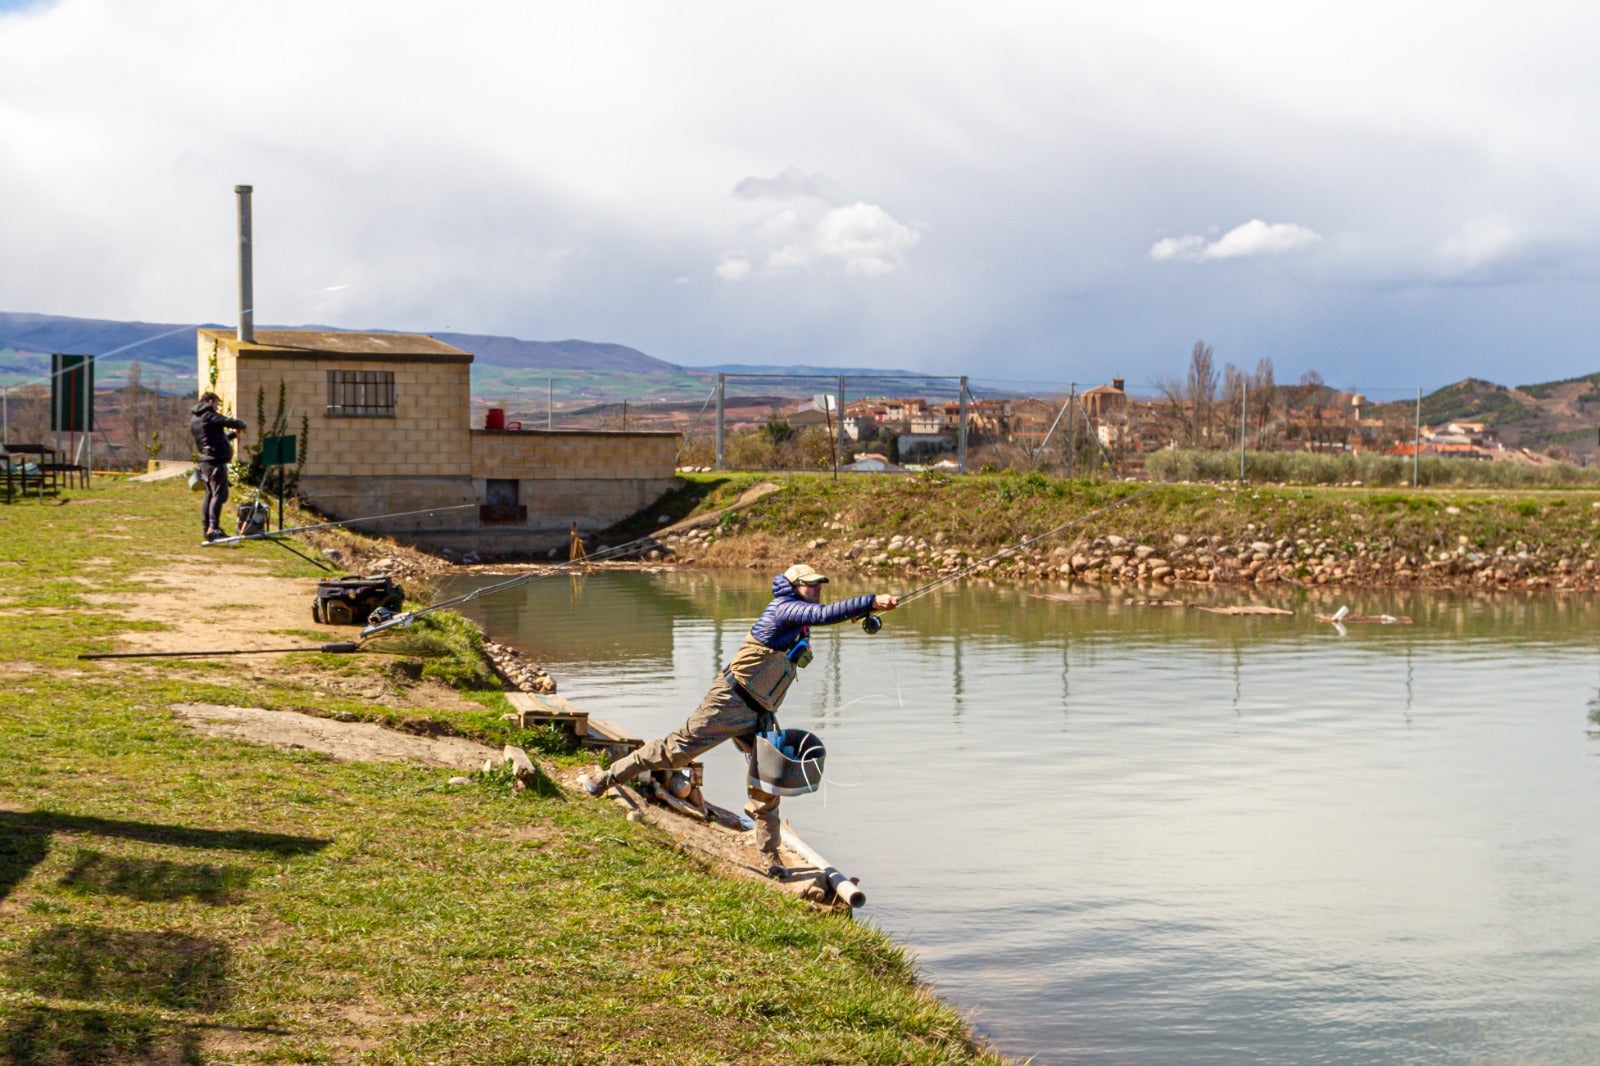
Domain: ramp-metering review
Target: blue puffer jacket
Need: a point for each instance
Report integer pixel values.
(788, 617)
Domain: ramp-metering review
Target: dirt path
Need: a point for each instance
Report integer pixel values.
(221, 605)
(355, 741)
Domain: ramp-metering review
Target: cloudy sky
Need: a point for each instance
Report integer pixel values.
(1392, 194)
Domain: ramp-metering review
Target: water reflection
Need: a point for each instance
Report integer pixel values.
(1128, 833)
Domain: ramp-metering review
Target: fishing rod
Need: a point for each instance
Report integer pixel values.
(276, 533)
(338, 647)
(405, 618)
(873, 623)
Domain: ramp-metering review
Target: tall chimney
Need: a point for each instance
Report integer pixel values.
(247, 310)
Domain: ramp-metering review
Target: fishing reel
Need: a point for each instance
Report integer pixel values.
(871, 624)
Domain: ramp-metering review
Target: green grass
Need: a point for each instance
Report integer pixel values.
(1308, 468)
(168, 897)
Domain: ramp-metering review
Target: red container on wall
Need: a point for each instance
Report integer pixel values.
(495, 419)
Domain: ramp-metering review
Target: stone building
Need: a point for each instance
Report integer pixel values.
(387, 432)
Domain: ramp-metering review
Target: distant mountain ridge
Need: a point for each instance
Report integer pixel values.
(1565, 412)
(806, 370)
(557, 355)
(170, 347)
(28, 340)
(587, 371)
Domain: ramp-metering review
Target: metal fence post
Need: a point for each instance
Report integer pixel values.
(839, 442)
(1072, 428)
(1416, 443)
(722, 392)
(962, 437)
(1244, 409)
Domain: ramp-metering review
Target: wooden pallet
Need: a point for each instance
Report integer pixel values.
(591, 732)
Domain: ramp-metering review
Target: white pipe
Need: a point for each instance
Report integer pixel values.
(841, 885)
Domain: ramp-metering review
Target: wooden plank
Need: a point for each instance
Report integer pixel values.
(606, 733)
(531, 710)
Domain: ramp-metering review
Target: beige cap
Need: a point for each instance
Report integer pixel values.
(801, 574)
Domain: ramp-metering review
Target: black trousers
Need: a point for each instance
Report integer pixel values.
(215, 477)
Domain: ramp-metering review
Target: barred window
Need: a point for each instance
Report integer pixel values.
(360, 394)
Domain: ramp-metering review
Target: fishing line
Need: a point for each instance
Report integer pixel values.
(339, 647)
(684, 442)
(274, 534)
(407, 617)
(922, 590)
(827, 781)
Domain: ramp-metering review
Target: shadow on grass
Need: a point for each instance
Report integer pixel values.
(25, 839)
(153, 881)
(43, 1036)
(157, 969)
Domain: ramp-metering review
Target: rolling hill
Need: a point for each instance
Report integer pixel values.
(1563, 413)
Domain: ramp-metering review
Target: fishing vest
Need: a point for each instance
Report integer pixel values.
(763, 673)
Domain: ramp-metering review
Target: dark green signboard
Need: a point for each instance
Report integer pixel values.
(72, 393)
(277, 451)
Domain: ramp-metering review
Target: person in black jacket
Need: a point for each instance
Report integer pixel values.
(213, 436)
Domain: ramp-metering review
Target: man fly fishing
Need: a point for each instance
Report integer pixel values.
(213, 437)
(743, 700)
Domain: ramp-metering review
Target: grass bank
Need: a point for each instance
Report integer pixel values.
(168, 897)
(1127, 533)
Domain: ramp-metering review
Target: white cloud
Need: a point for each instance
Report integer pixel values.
(790, 183)
(1482, 243)
(1191, 248)
(1036, 146)
(865, 238)
(1254, 238)
(732, 268)
(789, 257)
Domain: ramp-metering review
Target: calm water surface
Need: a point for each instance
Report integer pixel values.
(1122, 834)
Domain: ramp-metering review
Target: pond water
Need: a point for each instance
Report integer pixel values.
(1140, 834)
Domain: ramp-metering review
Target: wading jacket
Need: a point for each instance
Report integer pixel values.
(761, 667)
(210, 433)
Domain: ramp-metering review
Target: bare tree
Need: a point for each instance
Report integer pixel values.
(1191, 404)
(1264, 393)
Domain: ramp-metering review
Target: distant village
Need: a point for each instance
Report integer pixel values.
(1100, 425)
(1105, 424)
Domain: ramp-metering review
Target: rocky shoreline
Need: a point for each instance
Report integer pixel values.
(1311, 557)
(517, 670)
